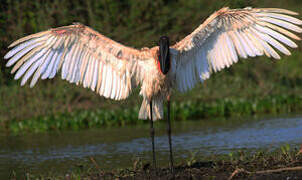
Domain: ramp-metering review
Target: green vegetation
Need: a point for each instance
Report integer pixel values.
(83, 119)
(247, 165)
(253, 86)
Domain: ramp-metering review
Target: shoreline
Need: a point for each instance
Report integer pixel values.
(281, 164)
(193, 110)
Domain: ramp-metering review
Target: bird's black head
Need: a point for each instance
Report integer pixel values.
(164, 55)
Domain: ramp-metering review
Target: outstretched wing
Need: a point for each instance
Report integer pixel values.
(84, 57)
(231, 33)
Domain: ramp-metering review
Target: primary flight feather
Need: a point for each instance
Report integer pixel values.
(86, 57)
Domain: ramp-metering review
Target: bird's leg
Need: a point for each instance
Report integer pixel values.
(152, 134)
(169, 136)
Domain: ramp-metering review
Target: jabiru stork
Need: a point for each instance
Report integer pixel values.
(88, 58)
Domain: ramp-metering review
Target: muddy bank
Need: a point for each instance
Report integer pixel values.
(284, 163)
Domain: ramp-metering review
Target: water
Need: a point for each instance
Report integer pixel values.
(119, 147)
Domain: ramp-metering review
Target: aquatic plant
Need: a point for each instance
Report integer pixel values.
(189, 110)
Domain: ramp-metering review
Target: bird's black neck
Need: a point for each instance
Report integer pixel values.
(164, 55)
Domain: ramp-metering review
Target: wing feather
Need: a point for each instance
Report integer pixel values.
(83, 55)
(255, 44)
(244, 44)
(30, 71)
(100, 72)
(281, 23)
(66, 60)
(225, 48)
(113, 91)
(45, 63)
(57, 61)
(29, 62)
(43, 34)
(76, 74)
(46, 72)
(238, 45)
(75, 58)
(279, 29)
(108, 89)
(20, 47)
(118, 89)
(230, 45)
(104, 79)
(83, 67)
(229, 33)
(18, 55)
(284, 17)
(95, 76)
(89, 72)
(277, 36)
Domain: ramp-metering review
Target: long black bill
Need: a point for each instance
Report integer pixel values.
(164, 54)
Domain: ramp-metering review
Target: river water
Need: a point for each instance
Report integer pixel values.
(119, 147)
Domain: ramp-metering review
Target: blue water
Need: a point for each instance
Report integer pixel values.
(119, 147)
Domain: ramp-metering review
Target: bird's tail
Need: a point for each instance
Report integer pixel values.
(157, 109)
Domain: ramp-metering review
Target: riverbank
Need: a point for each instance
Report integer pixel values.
(283, 163)
(181, 111)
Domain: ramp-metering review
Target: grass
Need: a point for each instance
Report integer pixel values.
(285, 161)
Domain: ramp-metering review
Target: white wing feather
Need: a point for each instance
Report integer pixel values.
(84, 57)
(231, 33)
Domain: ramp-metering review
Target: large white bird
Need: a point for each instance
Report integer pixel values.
(88, 58)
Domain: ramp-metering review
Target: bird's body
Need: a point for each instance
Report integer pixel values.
(87, 57)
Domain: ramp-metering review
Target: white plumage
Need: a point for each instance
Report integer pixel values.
(112, 70)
